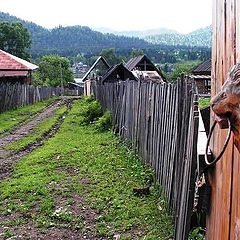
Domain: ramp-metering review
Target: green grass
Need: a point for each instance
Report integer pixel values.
(40, 129)
(12, 118)
(81, 163)
(204, 102)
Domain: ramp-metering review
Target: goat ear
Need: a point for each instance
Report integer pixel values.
(234, 74)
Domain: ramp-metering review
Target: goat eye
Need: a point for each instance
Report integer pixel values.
(223, 95)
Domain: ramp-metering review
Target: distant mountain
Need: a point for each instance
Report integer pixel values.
(140, 34)
(200, 37)
(32, 27)
(69, 41)
(167, 47)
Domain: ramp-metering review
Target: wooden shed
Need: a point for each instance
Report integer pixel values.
(202, 77)
(145, 65)
(118, 72)
(89, 76)
(14, 69)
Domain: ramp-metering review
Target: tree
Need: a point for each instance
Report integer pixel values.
(183, 68)
(53, 71)
(15, 39)
(136, 52)
(110, 55)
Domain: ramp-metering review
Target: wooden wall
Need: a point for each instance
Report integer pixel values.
(223, 222)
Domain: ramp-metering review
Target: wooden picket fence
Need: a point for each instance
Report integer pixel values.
(14, 95)
(161, 122)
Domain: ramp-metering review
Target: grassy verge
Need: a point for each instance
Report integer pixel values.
(37, 133)
(204, 102)
(12, 118)
(81, 180)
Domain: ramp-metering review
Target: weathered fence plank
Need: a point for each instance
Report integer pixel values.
(160, 122)
(14, 95)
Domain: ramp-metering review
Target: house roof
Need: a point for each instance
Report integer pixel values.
(9, 62)
(13, 73)
(134, 63)
(204, 68)
(120, 70)
(148, 75)
(200, 77)
(94, 65)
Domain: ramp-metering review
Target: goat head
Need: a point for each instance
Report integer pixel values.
(226, 103)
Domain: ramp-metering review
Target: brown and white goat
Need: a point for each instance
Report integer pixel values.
(226, 103)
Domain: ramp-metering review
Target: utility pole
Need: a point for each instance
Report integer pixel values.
(61, 75)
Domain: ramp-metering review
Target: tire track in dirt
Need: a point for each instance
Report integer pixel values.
(8, 158)
(24, 122)
(25, 129)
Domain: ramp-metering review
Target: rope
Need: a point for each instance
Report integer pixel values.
(224, 146)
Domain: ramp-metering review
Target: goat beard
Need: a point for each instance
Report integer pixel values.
(235, 125)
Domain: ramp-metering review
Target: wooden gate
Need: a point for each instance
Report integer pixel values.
(223, 222)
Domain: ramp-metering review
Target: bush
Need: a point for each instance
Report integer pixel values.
(197, 234)
(104, 123)
(204, 102)
(89, 99)
(91, 110)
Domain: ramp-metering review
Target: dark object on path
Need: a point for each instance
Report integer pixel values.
(141, 191)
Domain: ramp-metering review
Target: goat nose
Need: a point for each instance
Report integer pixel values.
(212, 104)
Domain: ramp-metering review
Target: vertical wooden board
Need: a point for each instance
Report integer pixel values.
(237, 30)
(235, 208)
(137, 116)
(158, 158)
(153, 121)
(223, 56)
(146, 122)
(173, 139)
(168, 139)
(156, 121)
(214, 89)
(162, 128)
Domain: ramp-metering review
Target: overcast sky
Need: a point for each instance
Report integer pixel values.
(181, 15)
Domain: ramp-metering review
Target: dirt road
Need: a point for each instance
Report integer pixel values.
(9, 157)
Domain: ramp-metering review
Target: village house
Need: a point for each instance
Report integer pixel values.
(14, 69)
(118, 72)
(142, 67)
(136, 68)
(92, 75)
(202, 78)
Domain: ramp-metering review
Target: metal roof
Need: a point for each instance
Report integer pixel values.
(203, 68)
(10, 62)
